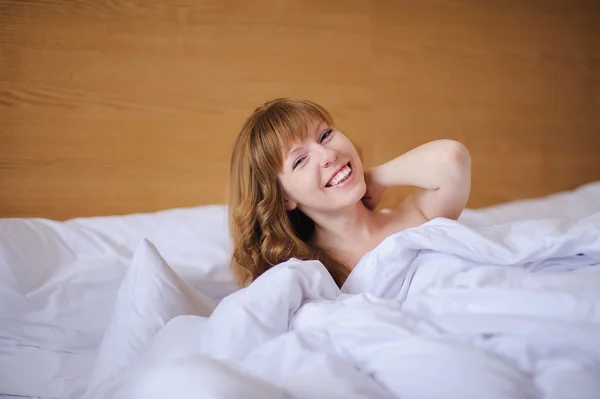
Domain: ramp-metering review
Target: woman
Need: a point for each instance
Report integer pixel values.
(298, 190)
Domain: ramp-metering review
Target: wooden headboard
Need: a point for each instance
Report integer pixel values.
(115, 107)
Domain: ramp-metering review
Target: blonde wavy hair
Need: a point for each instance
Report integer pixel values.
(264, 232)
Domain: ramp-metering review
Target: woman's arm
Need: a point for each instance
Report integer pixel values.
(441, 172)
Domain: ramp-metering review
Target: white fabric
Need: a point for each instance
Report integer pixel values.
(438, 311)
(19, 397)
(573, 205)
(59, 280)
(194, 241)
(151, 294)
(167, 363)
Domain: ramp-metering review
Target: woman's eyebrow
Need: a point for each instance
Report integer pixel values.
(294, 150)
(320, 127)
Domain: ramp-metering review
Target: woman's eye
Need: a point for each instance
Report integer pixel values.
(298, 162)
(326, 134)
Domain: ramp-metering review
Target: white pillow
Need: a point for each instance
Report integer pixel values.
(59, 280)
(150, 296)
(55, 303)
(194, 241)
(573, 205)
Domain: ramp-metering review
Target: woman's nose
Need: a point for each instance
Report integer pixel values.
(328, 156)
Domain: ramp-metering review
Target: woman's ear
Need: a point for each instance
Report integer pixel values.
(290, 205)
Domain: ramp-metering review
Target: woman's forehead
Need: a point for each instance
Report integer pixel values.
(297, 137)
(307, 128)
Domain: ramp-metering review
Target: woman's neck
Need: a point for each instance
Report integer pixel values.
(350, 227)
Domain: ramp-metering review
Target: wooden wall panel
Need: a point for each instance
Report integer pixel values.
(112, 107)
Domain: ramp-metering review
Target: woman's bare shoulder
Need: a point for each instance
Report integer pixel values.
(407, 215)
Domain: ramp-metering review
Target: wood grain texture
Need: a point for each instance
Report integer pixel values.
(113, 107)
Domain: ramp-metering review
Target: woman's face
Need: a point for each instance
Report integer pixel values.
(323, 173)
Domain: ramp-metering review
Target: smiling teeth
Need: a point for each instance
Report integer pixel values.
(340, 176)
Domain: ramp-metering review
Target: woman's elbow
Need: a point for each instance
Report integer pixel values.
(456, 158)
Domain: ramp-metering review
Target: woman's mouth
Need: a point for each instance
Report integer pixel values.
(342, 176)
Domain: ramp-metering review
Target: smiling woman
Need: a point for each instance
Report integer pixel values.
(298, 189)
(264, 227)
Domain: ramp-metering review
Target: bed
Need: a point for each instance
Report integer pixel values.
(89, 305)
(117, 123)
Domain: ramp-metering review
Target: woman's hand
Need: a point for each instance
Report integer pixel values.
(375, 191)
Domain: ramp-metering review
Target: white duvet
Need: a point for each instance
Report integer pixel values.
(111, 306)
(438, 311)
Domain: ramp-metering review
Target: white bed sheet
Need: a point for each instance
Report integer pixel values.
(59, 281)
(19, 397)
